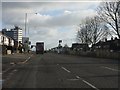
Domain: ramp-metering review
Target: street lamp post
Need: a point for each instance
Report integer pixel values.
(26, 21)
(26, 39)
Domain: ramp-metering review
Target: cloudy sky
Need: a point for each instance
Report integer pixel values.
(54, 21)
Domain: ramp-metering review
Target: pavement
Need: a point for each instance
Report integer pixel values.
(59, 71)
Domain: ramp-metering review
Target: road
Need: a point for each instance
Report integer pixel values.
(62, 71)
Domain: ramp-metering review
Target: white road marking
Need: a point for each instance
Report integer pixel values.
(77, 77)
(29, 58)
(111, 69)
(31, 55)
(12, 63)
(90, 84)
(72, 79)
(86, 82)
(7, 70)
(65, 69)
(15, 70)
(26, 60)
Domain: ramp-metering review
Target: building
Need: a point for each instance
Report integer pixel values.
(80, 47)
(6, 43)
(107, 45)
(15, 33)
(7, 32)
(26, 43)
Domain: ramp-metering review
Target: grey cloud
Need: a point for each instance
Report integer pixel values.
(46, 27)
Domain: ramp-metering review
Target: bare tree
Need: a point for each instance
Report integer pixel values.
(83, 32)
(98, 30)
(92, 31)
(109, 12)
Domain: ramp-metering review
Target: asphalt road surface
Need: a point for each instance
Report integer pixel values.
(62, 71)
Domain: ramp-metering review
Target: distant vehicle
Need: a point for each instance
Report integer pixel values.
(39, 47)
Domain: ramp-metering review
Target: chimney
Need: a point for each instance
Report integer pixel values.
(111, 38)
(105, 39)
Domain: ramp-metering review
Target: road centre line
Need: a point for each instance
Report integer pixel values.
(65, 69)
(111, 69)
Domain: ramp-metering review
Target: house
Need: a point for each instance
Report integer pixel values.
(7, 44)
(108, 45)
(80, 47)
(15, 33)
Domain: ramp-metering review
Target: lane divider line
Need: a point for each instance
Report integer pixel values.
(79, 78)
(111, 69)
(90, 85)
(73, 79)
(87, 82)
(65, 69)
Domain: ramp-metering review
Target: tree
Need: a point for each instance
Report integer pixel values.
(83, 34)
(91, 31)
(98, 30)
(109, 12)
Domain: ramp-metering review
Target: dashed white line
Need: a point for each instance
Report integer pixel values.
(110, 68)
(15, 70)
(90, 84)
(73, 79)
(86, 82)
(77, 77)
(65, 69)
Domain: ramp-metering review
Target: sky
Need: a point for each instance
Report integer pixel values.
(54, 21)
